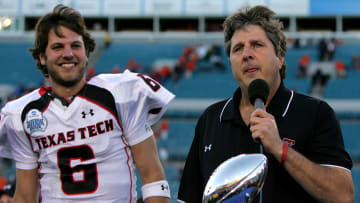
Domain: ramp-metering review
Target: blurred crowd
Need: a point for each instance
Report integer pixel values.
(193, 59)
(325, 65)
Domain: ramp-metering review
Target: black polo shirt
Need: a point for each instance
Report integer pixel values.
(221, 133)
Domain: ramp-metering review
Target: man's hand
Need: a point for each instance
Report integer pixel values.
(263, 127)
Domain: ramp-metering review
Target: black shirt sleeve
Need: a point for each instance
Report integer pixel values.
(192, 183)
(327, 144)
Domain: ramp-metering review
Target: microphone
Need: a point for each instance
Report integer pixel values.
(258, 92)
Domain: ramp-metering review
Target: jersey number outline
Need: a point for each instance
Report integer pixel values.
(89, 183)
(155, 86)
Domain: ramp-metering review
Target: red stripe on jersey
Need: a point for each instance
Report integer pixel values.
(127, 154)
(40, 182)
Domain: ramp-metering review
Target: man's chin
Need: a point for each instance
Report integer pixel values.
(67, 82)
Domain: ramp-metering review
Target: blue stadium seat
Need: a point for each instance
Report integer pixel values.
(205, 85)
(179, 140)
(292, 57)
(344, 88)
(144, 53)
(173, 176)
(350, 132)
(356, 178)
(18, 64)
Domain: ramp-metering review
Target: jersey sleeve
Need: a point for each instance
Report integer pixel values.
(144, 102)
(5, 150)
(14, 143)
(328, 143)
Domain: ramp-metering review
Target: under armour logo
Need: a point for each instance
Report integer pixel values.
(84, 114)
(164, 187)
(207, 148)
(290, 141)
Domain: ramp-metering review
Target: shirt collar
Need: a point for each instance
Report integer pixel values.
(278, 105)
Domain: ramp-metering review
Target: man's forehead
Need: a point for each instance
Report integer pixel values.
(63, 34)
(254, 30)
(250, 33)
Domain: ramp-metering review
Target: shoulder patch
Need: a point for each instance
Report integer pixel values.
(34, 121)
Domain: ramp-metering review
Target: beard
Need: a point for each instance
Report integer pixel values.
(64, 82)
(67, 82)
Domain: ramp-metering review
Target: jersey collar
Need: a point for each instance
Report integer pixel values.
(278, 105)
(281, 102)
(47, 91)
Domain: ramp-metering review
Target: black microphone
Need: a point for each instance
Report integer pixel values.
(258, 92)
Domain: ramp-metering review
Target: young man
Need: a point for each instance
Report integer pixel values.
(78, 140)
(300, 135)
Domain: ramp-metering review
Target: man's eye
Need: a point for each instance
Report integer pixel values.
(57, 47)
(236, 49)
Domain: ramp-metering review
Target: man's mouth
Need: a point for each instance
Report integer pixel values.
(68, 66)
(251, 70)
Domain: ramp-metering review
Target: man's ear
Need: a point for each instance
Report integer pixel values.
(281, 61)
(42, 58)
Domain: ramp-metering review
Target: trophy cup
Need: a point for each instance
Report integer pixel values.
(238, 179)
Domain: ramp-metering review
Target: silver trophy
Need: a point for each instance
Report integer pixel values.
(238, 179)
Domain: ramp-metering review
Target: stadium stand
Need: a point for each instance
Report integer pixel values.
(178, 143)
(146, 54)
(18, 64)
(207, 85)
(344, 88)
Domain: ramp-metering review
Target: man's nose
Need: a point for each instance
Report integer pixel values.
(68, 53)
(248, 53)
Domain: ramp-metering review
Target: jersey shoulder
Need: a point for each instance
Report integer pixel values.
(110, 80)
(129, 86)
(126, 80)
(16, 106)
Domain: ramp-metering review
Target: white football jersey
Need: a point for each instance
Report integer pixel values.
(82, 151)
